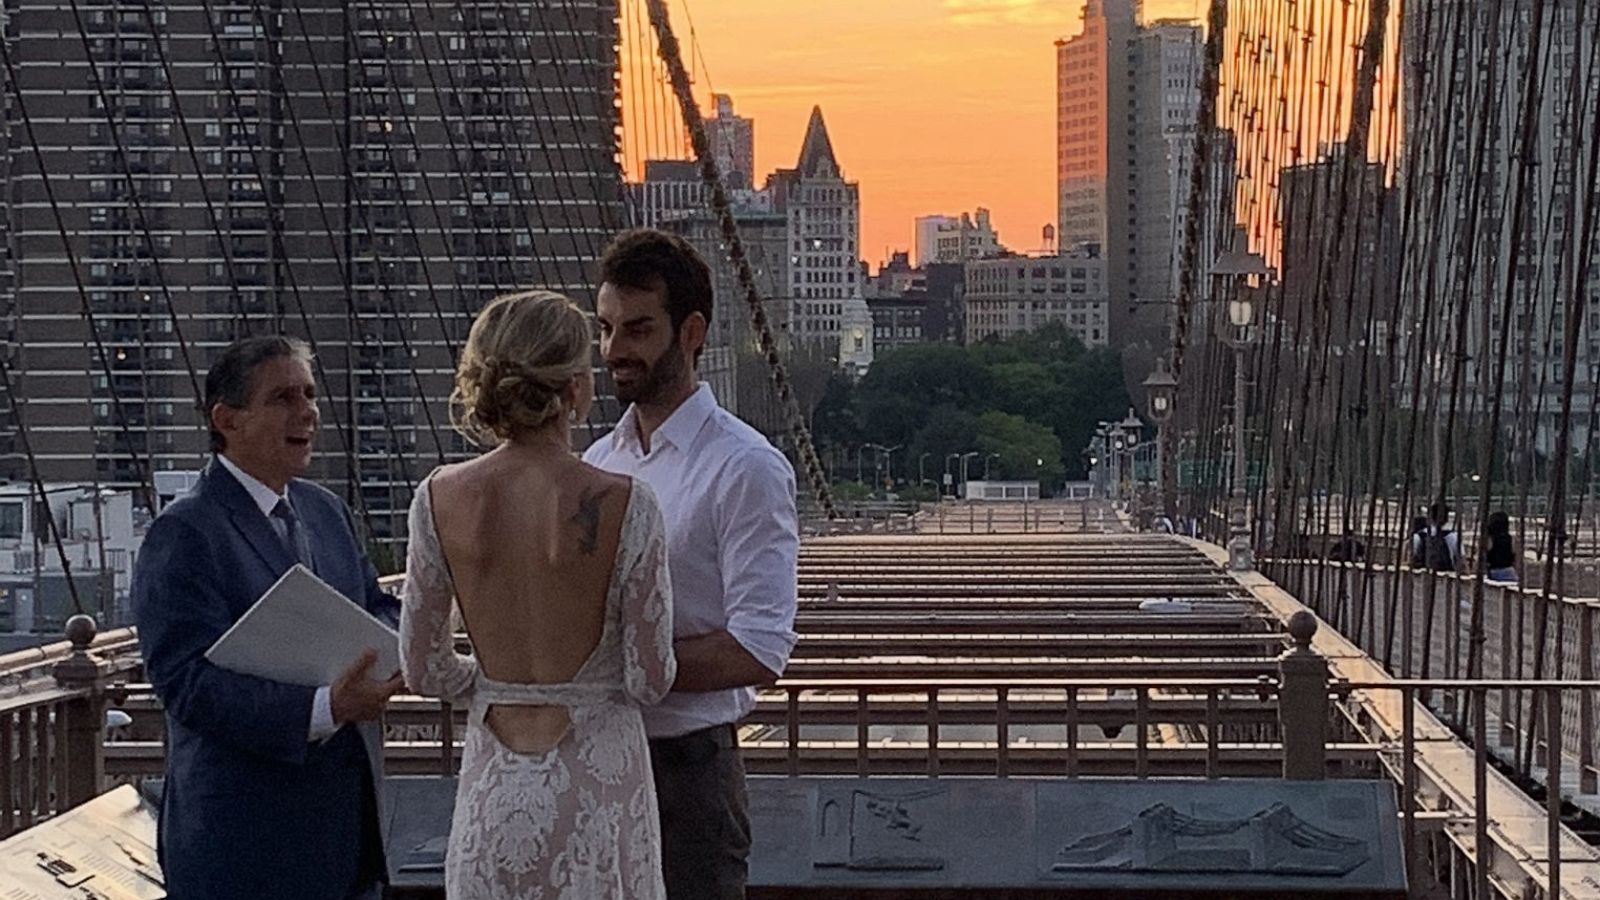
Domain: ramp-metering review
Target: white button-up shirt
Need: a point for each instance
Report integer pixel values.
(733, 542)
(266, 499)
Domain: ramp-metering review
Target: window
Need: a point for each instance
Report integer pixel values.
(11, 521)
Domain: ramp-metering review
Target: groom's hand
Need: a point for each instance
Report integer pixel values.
(355, 697)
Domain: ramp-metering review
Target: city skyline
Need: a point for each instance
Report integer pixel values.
(903, 122)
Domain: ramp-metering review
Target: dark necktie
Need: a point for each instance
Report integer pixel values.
(287, 525)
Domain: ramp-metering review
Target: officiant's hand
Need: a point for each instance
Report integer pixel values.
(355, 697)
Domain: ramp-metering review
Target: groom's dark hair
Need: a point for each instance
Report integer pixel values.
(646, 259)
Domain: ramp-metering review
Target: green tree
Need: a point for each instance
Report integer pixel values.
(1092, 390)
(949, 430)
(931, 399)
(894, 399)
(1024, 450)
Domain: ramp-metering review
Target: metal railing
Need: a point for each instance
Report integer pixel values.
(1419, 627)
(1436, 808)
(1299, 724)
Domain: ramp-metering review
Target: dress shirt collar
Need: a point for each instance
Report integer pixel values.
(679, 429)
(265, 498)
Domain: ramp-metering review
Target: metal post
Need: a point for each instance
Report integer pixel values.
(85, 714)
(1552, 730)
(1303, 703)
(1240, 554)
(1162, 497)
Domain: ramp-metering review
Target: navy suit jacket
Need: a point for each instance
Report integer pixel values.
(251, 809)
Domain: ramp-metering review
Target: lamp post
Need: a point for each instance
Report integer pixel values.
(1093, 453)
(921, 478)
(1130, 427)
(1102, 437)
(888, 465)
(1162, 388)
(987, 459)
(882, 463)
(949, 474)
(1238, 266)
(1118, 444)
(964, 458)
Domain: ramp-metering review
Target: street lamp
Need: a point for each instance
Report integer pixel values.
(883, 462)
(989, 458)
(921, 461)
(888, 464)
(964, 457)
(1130, 428)
(1161, 388)
(949, 475)
(1119, 443)
(1239, 266)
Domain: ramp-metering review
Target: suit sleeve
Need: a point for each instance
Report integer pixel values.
(180, 614)
(380, 603)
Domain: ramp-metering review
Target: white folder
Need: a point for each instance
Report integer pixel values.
(304, 632)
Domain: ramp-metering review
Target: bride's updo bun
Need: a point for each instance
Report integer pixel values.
(523, 351)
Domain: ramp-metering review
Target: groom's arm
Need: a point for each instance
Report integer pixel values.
(758, 540)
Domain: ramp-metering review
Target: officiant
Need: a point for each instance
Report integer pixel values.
(271, 788)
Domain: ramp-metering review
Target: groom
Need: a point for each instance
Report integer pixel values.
(728, 499)
(271, 789)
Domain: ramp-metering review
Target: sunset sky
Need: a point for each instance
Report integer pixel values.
(934, 106)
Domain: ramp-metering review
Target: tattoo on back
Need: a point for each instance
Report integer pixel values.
(587, 518)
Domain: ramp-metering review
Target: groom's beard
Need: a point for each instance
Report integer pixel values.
(655, 380)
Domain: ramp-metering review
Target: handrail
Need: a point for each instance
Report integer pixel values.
(45, 654)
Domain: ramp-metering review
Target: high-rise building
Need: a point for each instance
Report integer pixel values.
(1462, 58)
(949, 239)
(1343, 293)
(365, 174)
(1092, 86)
(1128, 98)
(824, 215)
(733, 144)
(1168, 58)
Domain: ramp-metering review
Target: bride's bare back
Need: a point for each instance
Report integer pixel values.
(531, 541)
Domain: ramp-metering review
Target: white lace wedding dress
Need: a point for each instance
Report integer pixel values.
(578, 822)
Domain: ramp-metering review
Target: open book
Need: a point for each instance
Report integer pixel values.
(304, 632)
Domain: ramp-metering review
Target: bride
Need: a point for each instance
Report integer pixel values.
(559, 571)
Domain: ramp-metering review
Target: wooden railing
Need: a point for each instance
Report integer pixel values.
(52, 732)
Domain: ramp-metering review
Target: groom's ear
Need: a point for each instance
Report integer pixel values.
(692, 334)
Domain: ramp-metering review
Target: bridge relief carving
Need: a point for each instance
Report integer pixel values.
(1162, 839)
(882, 831)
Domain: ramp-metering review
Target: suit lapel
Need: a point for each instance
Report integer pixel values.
(247, 519)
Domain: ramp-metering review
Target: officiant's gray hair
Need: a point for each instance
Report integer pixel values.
(230, 377)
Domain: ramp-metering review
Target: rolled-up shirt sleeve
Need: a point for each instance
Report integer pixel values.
(758, 535)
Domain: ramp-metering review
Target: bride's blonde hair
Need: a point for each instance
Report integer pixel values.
(524, 349)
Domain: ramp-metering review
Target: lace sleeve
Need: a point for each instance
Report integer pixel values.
(427, 614)
(646, 602)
